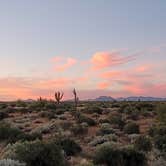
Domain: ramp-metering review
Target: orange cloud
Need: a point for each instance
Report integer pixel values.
(24, 88)
(103, 85)
(102, 60)
(143, 68)
(62, 63)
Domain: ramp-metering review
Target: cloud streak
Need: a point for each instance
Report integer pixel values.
(101, 60)
(62, 63)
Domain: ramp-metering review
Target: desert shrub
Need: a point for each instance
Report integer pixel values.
(104, 120)
(9, 162)
(161, 113)
(60, 111)
(3, 115)
(160, 142)
(143, 143)
(38, 105)
(116, 119)
(157, 130)
(47, 114)
(115, 105)
(30, 136)
(3, 105)
(36, 153)
(79, 129)
(82, 118)
(50, 105)
(47, 128)
(20, 103)
(131, 128)
(105, 129)
(132, 157)
(12, 134)
(134, 115)
(93, 109)
(111, 155)
(8, 133)
(128, 109)
(108, 155)
(9, 109)
(98, 140)
(159, 161)
(159, 136)
(69, 146)
(66, 125)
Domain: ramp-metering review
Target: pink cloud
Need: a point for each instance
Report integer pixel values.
(62, 63)
(103, 85)
(101, 60)
(111, 74)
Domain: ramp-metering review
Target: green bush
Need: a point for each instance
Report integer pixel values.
(50, 105)
(105, 129)
(82, 118)
(20, 103)
(133, 157)
(161, 113)
(108, 155)
(3, 105)
(160, 142)
(36, 153)
(111, 155)
(79, 129)
(69, 146)
(8, 133)
(158, 133)
(47, 114)
(12, 134)
(3, 115)
(157, 130)
(143, 143)
(93, 109)
(116, 119)
(131, 128)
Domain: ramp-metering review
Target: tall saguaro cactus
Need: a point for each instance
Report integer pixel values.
(76, 99)
(58, 96)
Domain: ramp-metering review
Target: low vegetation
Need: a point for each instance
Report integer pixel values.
(49, 133)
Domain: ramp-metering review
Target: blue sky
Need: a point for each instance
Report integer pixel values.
(35, 31)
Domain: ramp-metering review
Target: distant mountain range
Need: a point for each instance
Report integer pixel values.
(132, 98)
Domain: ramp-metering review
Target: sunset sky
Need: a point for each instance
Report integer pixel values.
(100, 47)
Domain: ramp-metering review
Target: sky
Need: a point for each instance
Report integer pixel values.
(100, 47)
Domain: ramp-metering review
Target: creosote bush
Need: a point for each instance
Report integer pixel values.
(3, 115)
(111, 155)
(116, 119)
(36, 153)
(131, 128)
(93, 109)
(158, 133)
(105, 128)
(84, 119)
(161, 113)
(12, 134)
(79, 129)
(69, 146)
(143, 143)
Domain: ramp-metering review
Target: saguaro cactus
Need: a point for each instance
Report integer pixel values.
(76, 99)
(58, 96)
